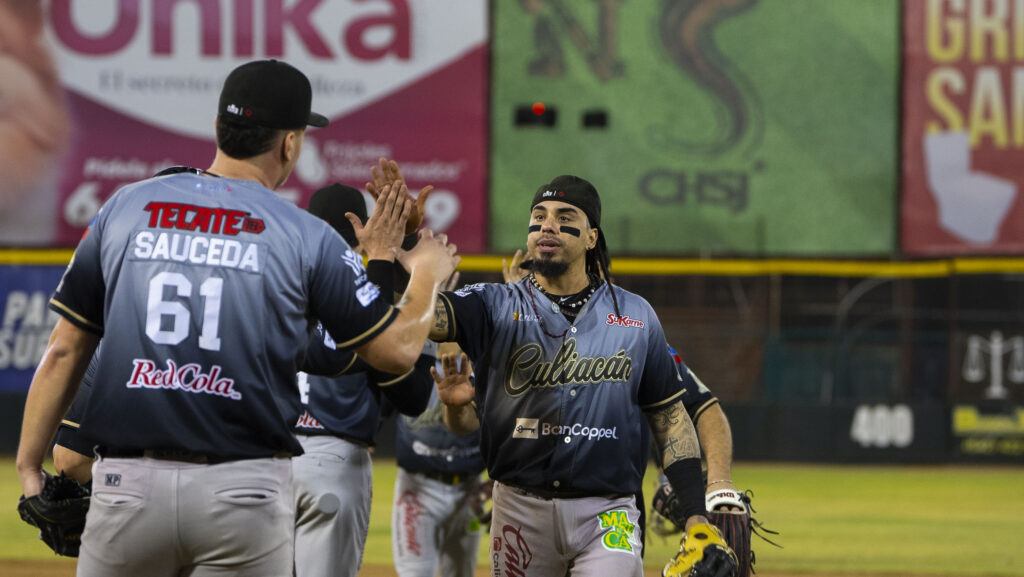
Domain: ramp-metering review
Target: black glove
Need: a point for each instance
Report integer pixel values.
(59, 513)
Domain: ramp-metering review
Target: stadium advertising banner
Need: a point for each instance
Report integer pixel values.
(25, 321)
(963, 130)
(746, 127)
(105, 92)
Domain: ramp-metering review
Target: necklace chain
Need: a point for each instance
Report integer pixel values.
(570, 304)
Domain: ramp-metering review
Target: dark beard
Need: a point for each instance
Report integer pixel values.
(545, 267)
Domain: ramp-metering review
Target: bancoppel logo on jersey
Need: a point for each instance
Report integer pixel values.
(525, 429)
(580, 430)
(526, 318)
(624, 321)
(367, 293)
(189, 378)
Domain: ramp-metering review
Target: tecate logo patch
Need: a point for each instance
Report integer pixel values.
(525, 429)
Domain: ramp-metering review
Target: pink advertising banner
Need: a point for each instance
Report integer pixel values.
(99, 93)
(963, 127)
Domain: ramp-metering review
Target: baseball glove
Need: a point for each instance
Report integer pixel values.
(59, 513)
(702, 553)
(736, 526)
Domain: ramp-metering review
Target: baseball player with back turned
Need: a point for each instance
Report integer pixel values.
(568, 365)
(202, 285)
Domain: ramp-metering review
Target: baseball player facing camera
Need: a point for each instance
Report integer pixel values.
(568, 366)
(202, 285)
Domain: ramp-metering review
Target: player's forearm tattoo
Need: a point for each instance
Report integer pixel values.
(673, 430)
(439, 330)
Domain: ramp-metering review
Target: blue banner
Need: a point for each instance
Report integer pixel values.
(26, 321)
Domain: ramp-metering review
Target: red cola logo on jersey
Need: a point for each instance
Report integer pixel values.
(191, 217)
(624, 321)
(189, 378)
(525, 369)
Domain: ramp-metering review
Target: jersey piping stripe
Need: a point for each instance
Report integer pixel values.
(395, 380)
(704, 407)
(371, 332)
(664, 402)
(351, 362)
(75, 317)
(70, 423)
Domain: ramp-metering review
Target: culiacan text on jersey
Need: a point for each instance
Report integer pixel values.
(525, 369)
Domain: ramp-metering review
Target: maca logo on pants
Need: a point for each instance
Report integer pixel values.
(189, 378)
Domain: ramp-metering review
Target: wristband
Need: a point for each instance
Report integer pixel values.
(688, 484)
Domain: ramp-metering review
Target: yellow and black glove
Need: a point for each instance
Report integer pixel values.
(702, 553)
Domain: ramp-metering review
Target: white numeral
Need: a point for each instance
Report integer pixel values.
(882, 426)
(303, 387)
(157, 309)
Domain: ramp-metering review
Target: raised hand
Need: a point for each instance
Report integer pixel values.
(511, 271)
(432, 253)
(386, 172)
(454, 387)
(385, 229)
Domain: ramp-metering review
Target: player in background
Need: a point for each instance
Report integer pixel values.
(438, 491)
(334, 476)
(202, 284)
(567, 364)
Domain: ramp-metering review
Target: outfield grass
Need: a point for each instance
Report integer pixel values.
(833, 519)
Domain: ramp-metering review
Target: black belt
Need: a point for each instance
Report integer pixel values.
(182, 455)
(448, 478)
(548, 494)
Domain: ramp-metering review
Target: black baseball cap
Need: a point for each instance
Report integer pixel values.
(268, 93)
(332, 202)
(575, 191)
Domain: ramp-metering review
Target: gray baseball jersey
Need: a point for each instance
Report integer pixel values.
(562, 403)
(203, 289)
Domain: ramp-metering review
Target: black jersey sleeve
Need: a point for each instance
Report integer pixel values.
(697, 398)
(80, 295)
(342, 297)
(660, 384)
(469, 323)
(324, 359)
(408, 393)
